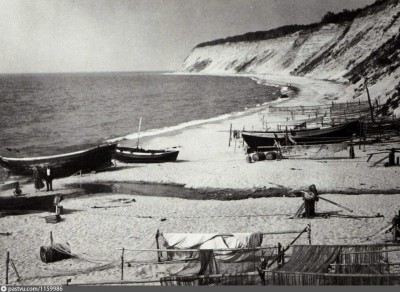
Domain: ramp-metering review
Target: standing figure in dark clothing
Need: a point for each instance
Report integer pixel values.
(37, 179)
(309, 201)
(396, 228)
(49, 178)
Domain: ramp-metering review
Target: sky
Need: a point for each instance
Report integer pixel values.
(38, 36)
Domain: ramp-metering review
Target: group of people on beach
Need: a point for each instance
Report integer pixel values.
(38, 178)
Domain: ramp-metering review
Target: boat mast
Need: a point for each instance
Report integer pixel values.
(140, 123)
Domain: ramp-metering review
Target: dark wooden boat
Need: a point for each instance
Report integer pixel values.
(139, 155)
(258, 140)
(63, 165)
(42, 203)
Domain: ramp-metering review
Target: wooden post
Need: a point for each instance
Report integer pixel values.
(51, 238)
(351, 151)
(7, 263)
(279, 253)
(309, 233)
(122, 264)
(286, 136)
(230, 135)
(392, 157)
(243, 131)
(369, 102)
(158, 246)
(365, 136)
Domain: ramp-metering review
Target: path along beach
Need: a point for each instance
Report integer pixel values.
(207, 164)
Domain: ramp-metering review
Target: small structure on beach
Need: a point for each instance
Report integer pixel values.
(221, 259)
(55, 251)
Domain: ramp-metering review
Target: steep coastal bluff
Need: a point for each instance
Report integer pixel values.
(348, 47)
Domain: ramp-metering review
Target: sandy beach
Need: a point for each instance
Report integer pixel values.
(206, 163)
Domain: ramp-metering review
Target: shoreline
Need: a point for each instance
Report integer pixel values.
(176, 129)
(203, 150)
(207, 163)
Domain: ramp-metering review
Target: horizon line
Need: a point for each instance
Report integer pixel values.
(86, 72)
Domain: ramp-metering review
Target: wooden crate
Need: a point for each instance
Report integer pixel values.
(53, 219)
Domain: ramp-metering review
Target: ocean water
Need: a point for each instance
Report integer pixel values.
(45, 114)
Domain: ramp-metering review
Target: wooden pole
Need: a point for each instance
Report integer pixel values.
(51, 238)
(243, 131)
(122, 264)
(158, 246)
(365, 136)
(336, 204)
(140, 124)
(369, 102)
(298, 212)
(7, 263)
(230, 135)
(309, 234)
(15, 270)
(286, 136)
(279, 253)
(285, 249)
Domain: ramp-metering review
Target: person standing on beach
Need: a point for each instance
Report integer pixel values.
(309, 201)
(37, 180)
(49, 178)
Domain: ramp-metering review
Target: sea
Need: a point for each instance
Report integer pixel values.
(47, 114)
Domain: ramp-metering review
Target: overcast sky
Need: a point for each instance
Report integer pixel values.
(135, 35)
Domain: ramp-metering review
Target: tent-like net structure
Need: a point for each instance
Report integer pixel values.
(216, 259)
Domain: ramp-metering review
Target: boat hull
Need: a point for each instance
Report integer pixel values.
(65, 164)
(337, 134)
(134, 155)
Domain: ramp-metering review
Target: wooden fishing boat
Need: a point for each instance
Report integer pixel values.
(63, 165)
(258, 140)
(140, 155)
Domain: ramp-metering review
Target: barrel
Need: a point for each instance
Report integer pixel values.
(50, 254)
(270, 155)
(259, 156)
(248, 159)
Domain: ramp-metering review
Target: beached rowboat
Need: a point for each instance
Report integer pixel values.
(63, 165)
(258, 140)
(139, 155)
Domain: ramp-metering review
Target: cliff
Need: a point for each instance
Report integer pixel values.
(366, 46)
